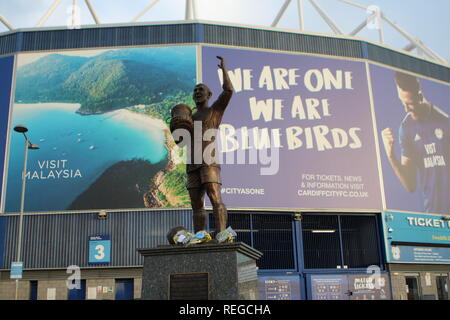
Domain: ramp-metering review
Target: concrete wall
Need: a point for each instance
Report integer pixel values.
(52, 290)
(104, 289)
(100, 283)
(8, 290)
(137, 288)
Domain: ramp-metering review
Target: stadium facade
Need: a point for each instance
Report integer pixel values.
(323, 206)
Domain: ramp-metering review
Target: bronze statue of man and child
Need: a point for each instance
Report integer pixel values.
(203, 176)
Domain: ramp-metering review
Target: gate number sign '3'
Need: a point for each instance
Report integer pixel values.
(99, 249)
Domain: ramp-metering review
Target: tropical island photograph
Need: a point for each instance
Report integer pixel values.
(101, 119)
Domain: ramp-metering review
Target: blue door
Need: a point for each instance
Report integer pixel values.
(124, 289)
(33, 290)
(78, 294)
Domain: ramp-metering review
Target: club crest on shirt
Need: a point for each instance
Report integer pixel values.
(439, 133)
(417, 137)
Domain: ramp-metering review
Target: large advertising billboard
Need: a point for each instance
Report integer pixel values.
(100, 118)
(414, 135)
(6, 73)
(298, 132)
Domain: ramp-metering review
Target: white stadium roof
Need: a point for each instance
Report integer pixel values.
(371, 17)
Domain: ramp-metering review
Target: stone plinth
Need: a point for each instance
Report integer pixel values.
(202, 271)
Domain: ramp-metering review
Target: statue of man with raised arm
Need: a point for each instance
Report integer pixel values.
(203, 169)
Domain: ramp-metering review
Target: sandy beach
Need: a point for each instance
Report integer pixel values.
(137, 118)
(155, 127)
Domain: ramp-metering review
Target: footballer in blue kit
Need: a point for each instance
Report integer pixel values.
(424, 137)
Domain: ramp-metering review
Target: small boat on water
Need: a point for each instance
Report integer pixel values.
(91, 148)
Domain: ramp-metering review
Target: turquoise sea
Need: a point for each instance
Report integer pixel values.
(74, 151)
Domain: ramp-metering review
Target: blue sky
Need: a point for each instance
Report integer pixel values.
(426, 20)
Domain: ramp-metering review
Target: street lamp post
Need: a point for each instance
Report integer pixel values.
(28, 145)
